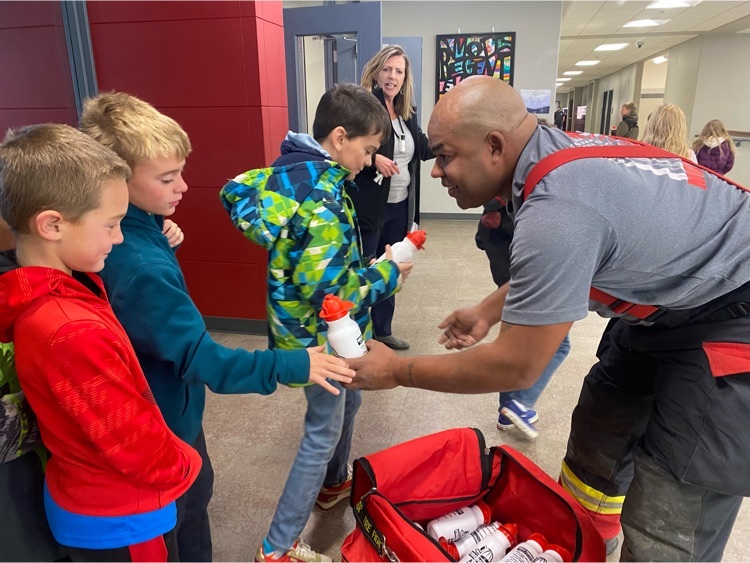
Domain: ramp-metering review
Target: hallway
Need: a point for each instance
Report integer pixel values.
(253, 439)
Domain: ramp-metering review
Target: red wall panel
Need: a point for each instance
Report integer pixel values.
(34, 64)
(117, 12)
(218, 69)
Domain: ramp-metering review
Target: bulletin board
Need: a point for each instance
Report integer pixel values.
(460, 55)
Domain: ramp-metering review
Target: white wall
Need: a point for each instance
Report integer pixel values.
(537, 27)
(682, 75)
(723, 92)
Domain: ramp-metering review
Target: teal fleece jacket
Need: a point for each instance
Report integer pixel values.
(150, 298)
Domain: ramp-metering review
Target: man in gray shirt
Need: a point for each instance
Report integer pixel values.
(659, 442)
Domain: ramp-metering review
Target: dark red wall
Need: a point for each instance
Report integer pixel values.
(218, 69)
(35, 83)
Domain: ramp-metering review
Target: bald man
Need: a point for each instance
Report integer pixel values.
(659, 441)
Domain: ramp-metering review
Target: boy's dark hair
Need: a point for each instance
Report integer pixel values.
(353, 108)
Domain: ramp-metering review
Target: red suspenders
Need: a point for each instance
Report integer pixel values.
(632, 150)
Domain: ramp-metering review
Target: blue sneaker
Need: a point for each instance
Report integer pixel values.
(513, 413)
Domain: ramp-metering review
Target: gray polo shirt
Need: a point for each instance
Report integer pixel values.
(633, 228)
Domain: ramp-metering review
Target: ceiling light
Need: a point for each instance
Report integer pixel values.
(563, 79)
(645, 23)
(611, 47)
(671, 4)
(587, 63)
(572, 72)
(658, 60)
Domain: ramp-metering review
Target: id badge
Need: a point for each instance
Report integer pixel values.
(402, 143)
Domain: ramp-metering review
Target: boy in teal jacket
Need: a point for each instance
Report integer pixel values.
(149, 296)
(299, 209)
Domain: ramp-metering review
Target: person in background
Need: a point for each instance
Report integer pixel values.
(714, 147)
(387, 198)
(666, 128)
(628, 127)
(559, 117)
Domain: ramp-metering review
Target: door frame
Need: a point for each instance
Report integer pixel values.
(364, 19)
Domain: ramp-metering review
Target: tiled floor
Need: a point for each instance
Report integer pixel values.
(253, 439)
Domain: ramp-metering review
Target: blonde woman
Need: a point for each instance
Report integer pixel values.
(666, 128)
(715, 148)
(387, 201)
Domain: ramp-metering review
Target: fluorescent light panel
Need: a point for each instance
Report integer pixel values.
(659, 60)
(587, 63)
(645, 23)
(563, 79)
(611, 47)
(671, 4)
(572, 72)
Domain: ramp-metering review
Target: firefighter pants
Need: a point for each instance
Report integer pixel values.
(659, 441)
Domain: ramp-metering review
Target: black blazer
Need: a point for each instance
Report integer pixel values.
(370, 198)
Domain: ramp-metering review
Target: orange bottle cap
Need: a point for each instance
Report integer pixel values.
(417, 238)
(510, 531)
(540, 539)
(449, 547)
(485, 508)
(335, 308)
(561, 551)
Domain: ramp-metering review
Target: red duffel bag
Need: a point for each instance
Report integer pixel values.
(414, 482)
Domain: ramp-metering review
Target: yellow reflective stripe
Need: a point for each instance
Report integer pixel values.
(587, 496)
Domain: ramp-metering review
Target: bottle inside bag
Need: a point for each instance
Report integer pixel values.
(460, 522)
(527, 551)
(467, 543)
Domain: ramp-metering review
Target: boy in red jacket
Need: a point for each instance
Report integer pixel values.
(116, 469)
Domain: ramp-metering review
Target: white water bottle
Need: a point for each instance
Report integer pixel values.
(467, 543)
(344, 335)
(491, 548)
(460, 522)
(406, 250)
(527, 551)
(554, 554)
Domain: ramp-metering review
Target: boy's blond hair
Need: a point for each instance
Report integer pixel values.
(134, 129)
(52, 166)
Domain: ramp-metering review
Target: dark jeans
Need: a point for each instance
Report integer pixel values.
(660, 432)
(25, 533)
(394, 229)
(193, 530)
(338, 467)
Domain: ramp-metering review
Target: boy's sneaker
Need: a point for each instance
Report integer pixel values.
(328, 497)
(515, 414)
(298, 552)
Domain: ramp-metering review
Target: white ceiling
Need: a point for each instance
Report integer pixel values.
(587, 24)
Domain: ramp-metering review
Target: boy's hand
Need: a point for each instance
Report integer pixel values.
(463, 328)
(386, 166)
(404, 268)
(324, 366)
(375, 370)
(173, 233)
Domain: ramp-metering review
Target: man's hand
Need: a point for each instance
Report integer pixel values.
(463, 328)
(386, 166)
(324, 366)
(173, 233)
(376, 369)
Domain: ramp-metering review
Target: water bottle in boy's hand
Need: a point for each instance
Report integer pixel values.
(344, 335)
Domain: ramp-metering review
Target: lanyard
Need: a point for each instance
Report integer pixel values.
(402, 137)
